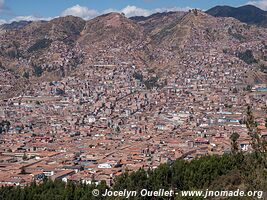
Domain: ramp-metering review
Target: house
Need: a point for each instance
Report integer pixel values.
(245, 145)
(62, 175)
(104, 166)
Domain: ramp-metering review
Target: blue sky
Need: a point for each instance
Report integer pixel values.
(14, 10)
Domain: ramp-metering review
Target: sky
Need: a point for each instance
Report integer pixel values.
(16, 10)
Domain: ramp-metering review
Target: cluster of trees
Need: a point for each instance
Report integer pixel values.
(263, 67)
(37, 70)
(181, 175)
(227, 172)
(13, 53)
(4, 126)
(236, 35)
(139, 76)
(51, 190)
(40, 44)
(247, 57)
(150, 83)
(258, 143)
(26, 75)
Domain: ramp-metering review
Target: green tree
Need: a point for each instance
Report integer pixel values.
(234, 137)
(40, 44)
(23, 170)
(37, 70)
(5, 126)
(258, 144)
(26, 75)
(24, 157)
(247, 57)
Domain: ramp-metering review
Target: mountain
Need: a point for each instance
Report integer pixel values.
(178, 36)
(15, 25)
(113, 28)
(57, 29)
(40, 43)
(49, 50)
(248, 14)
(155, 15)
(155, 22)
(107, 38)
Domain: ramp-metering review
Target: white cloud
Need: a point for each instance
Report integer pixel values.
(25, 18)
(29, 18)
(86, 13)
(172, 9)
(80, 11)
(260, 3)
(131, 11)
(2, 21)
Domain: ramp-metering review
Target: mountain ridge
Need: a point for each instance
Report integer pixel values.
(45, 49)
(248, 14)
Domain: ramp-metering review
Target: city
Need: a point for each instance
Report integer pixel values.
(90, 113)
